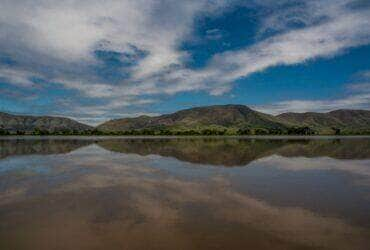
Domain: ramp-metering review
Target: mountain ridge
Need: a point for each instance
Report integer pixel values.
(192, 118)
(207, 120)
(341, 119)
(241, 117)
(28, 123)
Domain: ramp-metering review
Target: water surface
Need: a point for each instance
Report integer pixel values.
(184, 193)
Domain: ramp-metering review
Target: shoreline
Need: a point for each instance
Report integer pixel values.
(258, 137)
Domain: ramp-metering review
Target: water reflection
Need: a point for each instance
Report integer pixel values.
(9, 147)
(169, 194)
(213, 151)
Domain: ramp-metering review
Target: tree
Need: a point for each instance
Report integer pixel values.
(300, 131)
(244, 131)
(336, 130)
(261, 131)
(4, 132)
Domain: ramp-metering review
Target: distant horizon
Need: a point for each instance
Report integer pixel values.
(95, 61)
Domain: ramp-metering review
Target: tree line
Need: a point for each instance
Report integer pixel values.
(190, 132)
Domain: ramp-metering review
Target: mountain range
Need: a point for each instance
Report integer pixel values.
(218, 119)
(235, 118)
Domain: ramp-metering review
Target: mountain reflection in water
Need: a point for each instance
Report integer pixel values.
(184, 193)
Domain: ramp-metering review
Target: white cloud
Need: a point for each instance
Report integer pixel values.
(351, 102)
(360, 87)
(284, 15)
(357, 98)
(17, 77)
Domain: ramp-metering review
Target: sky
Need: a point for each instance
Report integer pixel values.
(97, 60)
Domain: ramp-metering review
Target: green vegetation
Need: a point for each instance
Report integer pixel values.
(300, 131)
(191, 132)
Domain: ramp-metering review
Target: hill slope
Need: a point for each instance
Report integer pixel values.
(342, 119)
(220, 116)
(28, 124)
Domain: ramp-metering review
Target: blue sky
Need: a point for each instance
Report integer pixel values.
(97, 60)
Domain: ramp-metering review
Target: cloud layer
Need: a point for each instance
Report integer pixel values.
(57, 44)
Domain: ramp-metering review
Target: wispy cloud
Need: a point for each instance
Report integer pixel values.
(17, 77)
(343, 30)
(358, 97)
(213, 34)
(350, 102)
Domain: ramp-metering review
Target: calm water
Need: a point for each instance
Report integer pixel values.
(189, 193)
